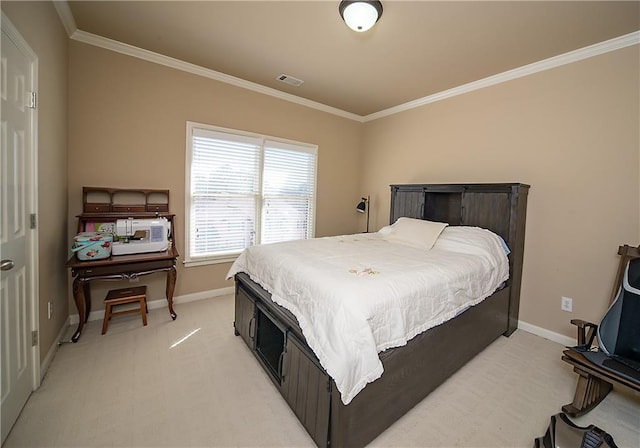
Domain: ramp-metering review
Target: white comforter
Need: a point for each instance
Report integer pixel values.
(357, 295)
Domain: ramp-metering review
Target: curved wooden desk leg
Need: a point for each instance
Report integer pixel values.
(590, 391)
(78, 297)
(172, 274)
(86, 289)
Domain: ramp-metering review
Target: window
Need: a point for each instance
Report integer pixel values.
(245, 189)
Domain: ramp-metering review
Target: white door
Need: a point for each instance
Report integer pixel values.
(16, 236)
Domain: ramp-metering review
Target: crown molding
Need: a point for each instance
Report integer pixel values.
(66, 16)
(140, 53)
(546, 64)
(14, 35)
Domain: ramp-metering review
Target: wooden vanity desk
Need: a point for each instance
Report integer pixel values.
(104, 205)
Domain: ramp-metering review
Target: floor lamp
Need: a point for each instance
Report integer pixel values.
(363, 207)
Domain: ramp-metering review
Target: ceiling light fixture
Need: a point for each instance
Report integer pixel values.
(360, 15)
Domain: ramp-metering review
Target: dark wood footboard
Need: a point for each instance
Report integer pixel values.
(408, 375)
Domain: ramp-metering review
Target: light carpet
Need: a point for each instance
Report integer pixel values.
(192, 383)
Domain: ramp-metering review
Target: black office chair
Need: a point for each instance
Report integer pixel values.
(619, 331)
(616, 359)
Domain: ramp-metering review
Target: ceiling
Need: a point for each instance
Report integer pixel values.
(417, 49)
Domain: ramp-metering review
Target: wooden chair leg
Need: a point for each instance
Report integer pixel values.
(590, 391)
(143, 311)
(107, 316)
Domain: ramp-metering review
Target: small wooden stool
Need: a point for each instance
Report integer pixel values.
(122, 296)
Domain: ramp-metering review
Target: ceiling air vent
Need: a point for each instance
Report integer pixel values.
(290, 80)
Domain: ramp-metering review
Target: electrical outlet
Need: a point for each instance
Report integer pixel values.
(49, 309)
(566, 304)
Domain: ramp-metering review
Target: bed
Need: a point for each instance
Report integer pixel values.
(334, 415)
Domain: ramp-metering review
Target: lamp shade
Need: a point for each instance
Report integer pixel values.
(360, 15)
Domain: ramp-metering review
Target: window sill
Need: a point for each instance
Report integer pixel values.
(225, 259)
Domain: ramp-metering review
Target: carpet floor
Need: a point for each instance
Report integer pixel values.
(192, 383)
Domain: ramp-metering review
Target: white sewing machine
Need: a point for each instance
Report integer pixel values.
(137, 236)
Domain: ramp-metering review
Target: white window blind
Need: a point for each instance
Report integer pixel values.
(288, 189)
(245, 190)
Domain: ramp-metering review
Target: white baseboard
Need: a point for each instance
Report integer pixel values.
(44, 365)
(547, 334)
(161, 303)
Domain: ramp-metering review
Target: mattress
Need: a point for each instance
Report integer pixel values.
(355, 296)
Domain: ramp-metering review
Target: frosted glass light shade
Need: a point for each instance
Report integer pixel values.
(360, 16)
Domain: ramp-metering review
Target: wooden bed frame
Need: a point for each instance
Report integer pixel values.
(274, 336)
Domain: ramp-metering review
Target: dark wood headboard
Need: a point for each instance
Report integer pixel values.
(501, 208)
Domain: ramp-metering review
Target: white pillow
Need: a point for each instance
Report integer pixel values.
(416, 232)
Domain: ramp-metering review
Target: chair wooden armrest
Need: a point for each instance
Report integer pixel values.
(585, 338)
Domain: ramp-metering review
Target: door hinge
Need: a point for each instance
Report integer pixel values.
(32, 100)
(34, 338)
(32, 219)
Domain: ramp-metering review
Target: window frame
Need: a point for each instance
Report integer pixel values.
(189, 259)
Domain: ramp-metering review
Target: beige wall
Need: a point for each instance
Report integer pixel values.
(40, 26)
(572, 133)
(127, 121)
